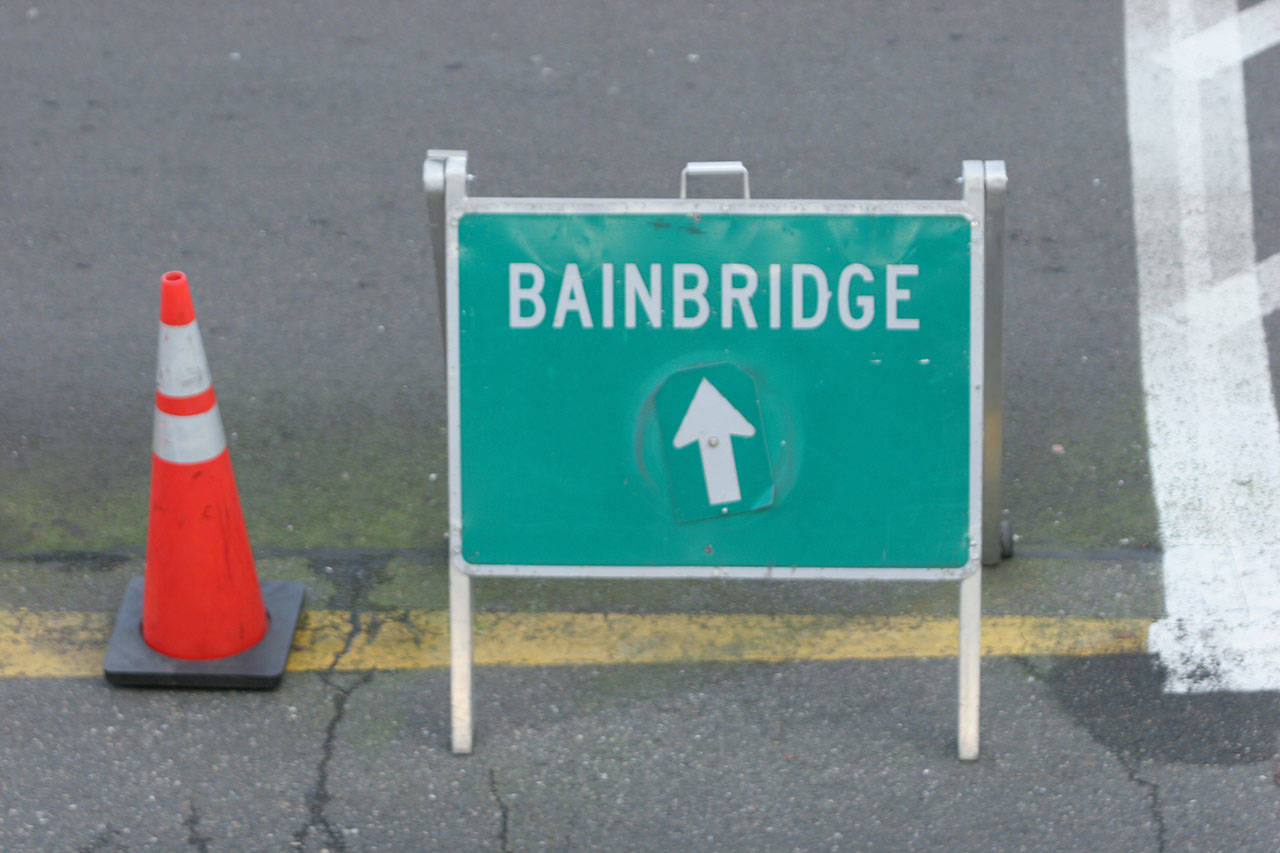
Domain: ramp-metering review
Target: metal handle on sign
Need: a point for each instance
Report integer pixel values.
(711, 168)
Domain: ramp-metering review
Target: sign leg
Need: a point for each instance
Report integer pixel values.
(460, 659)
(970, 664)
(995, 545)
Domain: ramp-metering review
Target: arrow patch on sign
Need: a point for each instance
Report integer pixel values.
(712, 421)
(717, 408)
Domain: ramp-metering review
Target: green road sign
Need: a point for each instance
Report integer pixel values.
(681, 387)
(732, 388)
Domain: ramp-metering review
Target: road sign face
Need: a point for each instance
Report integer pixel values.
(698, 389)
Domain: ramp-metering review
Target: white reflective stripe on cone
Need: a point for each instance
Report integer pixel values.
(181, 368)
(187, 439)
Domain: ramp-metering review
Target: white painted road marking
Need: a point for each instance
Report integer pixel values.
(1227, 43)
(1211, 417)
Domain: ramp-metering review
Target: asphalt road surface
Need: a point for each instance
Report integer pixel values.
(273, 152)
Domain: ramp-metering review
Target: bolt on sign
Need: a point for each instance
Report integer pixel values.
(696, 388)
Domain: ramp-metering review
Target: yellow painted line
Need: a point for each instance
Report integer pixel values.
(37, 644)
(44, 644)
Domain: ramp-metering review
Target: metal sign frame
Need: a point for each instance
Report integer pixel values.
(982, 203)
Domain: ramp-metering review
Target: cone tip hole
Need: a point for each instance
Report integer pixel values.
(174, 277)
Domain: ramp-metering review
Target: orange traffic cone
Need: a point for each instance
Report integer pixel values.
(200, 617)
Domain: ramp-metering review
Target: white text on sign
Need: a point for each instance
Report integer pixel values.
(687, 303)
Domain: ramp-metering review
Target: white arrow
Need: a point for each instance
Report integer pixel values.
(712, 421)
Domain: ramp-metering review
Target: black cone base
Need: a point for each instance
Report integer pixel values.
(132, 663)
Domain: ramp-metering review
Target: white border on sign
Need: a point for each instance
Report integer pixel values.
(970, 207)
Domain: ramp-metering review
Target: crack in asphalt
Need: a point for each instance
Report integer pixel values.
(353, 586)
(504, 811)
(192, 823)
(318, 798)
(1153, 794)
(1124, 758)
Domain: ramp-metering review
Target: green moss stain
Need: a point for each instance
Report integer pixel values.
(1086, 486)
(375, 485)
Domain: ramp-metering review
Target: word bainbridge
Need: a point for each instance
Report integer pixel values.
(690, 299)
